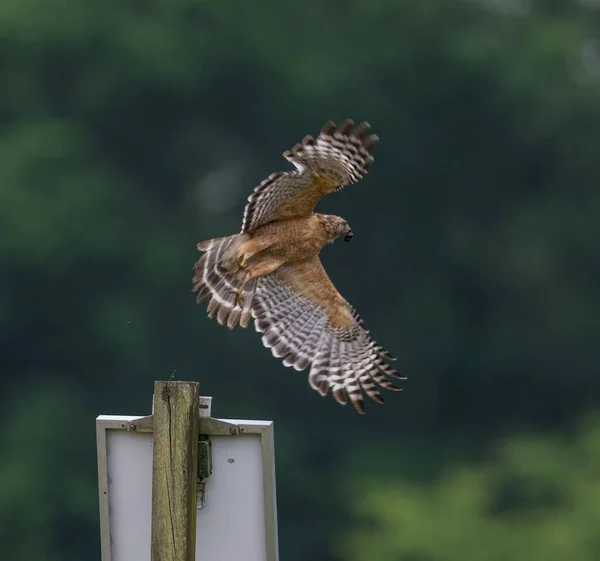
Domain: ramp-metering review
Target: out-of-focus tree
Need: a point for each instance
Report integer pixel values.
(535, 498)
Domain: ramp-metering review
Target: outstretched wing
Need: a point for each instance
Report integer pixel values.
(307, 322)
(339, 156)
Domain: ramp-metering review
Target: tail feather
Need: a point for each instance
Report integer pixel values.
(207, 245)
(216, 278)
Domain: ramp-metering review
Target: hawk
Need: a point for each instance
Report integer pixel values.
(271, 270)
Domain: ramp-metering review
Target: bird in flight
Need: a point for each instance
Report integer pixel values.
(271, 270)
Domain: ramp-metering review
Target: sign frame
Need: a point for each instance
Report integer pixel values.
(208, 427)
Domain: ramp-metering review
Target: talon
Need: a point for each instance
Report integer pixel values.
(239, 298)
(239, 292)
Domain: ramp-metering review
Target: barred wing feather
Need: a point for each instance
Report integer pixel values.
(340, 155)
(306, 322)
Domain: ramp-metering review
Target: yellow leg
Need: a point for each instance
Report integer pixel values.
(239, 292)
(253, 271)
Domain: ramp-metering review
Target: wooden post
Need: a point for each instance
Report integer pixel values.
(175, 422)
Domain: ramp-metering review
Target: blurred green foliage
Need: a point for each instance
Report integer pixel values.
(130, 130)
(536, 497)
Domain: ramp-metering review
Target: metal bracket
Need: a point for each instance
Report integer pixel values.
(204, 469)
(216, 427)
(141, 424)
(208, 427)
(204, 453)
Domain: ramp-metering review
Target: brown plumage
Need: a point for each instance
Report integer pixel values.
(271, 270)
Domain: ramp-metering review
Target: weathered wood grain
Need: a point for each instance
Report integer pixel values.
(175, 467)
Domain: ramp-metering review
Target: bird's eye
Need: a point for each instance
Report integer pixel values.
(348, 236)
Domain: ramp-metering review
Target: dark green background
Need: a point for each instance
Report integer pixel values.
(130, 130)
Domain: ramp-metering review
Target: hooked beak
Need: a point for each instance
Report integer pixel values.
(348, 236)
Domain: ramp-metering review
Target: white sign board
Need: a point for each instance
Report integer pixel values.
(238, 520)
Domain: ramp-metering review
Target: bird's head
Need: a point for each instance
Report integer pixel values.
(336, 226)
